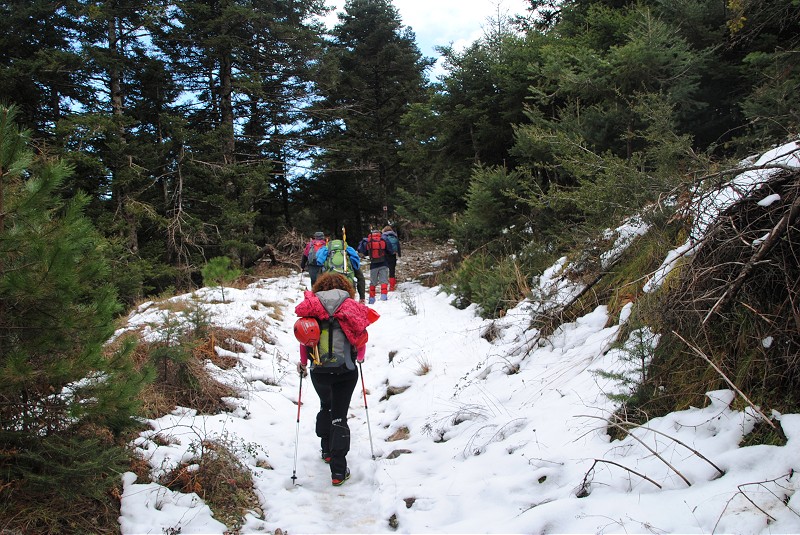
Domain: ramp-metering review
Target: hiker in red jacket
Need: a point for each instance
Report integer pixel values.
(374, 247)
(341, 343)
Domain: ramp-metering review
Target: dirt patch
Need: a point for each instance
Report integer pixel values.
(424, 261)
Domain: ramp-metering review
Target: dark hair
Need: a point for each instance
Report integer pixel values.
(333, 281)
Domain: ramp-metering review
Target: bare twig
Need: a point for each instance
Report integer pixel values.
(779, 498)
(654, 452)
(655, 431)
(620, 466)
(744, 495)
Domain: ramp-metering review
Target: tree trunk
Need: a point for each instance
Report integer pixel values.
(226, 107)
(117, 108)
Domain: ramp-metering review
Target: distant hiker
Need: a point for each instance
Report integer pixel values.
(339, 257)
(374, 247)
(360, 282)
(393, 252)
(310, 256)
(342, 337)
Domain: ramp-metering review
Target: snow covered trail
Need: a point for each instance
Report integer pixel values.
(470, 436)
(381, 491)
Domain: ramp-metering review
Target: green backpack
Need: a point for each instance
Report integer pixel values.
(338, 261)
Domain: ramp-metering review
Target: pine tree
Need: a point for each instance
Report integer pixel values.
(63, 400)
(40, 70)
(218, 271)
(370, 76)
(469, 121)
(243, 64)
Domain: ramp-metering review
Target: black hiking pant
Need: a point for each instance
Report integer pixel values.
(313, 272)
(361, 284)
(391, 261)
(335, 391)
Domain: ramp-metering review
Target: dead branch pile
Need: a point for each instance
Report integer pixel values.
(738, 299)
(286, 250)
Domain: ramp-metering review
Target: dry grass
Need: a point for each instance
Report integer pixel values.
(424, 366)
(140, 467)
(258, 329)
(220, 479)
(185, 384)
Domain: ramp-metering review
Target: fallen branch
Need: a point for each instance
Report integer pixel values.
(651, 450)
(722, 374)
(744, 169)
(625, 430)
(267, 250)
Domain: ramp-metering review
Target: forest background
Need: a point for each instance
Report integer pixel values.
(202, 129)
(142, 140)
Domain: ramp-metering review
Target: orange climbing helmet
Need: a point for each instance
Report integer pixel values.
(306, 330)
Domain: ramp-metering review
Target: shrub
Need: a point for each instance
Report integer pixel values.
(495, 286)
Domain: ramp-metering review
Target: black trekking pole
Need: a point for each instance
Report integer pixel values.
(297, 434)
(364, 390)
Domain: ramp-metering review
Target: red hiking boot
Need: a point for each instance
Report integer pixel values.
(338, 479)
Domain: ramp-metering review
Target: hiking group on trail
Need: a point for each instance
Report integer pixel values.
(321, 255)
(382, 247)
(332, 331)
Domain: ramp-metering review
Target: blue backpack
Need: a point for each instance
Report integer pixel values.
(392, 242)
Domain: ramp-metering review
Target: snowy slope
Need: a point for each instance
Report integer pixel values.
(487, 450)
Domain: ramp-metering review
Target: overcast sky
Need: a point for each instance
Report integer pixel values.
(441, 22)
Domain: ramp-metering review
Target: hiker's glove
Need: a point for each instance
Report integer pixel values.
(301, 369)
(360, 360)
